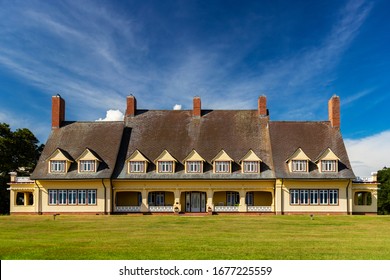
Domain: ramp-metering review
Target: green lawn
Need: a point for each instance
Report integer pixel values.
(208, 237)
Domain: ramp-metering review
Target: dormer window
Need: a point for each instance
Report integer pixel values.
(165, 166)
(137, 166)
(194, 166)
(137, 163)
(88, 161)
(327, 161)
(298, 161)
(222, 163)
(251, 166)
(299, 165)
(165, 163)
(328, 165)
(222, 167)
(57, 166)
(59, 162)
(87, 165)
(193, 163)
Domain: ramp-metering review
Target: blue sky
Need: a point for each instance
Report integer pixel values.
(297, 53)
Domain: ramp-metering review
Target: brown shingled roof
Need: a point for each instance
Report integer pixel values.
(178, 132)
(103, 138)
(313, 138)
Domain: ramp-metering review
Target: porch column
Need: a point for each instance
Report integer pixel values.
(210, 202)
(242, 207)
(273, 201)
(278, 197)
(144, 203)
(177, 194)
(26, 199)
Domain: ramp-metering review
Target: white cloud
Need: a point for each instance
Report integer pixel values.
(177, 107)
(369, 154)
(112, 115)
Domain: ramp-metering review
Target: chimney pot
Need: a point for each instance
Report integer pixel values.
(197, 111)
(334, 111)
(57, 111)
(131, 108)
(262, 106)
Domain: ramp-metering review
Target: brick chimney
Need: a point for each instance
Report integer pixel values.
(57, 111)
(262, 106)
(131, 108)
(334, 111)
(197, 111)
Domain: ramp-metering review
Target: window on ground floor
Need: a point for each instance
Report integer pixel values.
(72, 197)
(314, 197)
(24, 198)
(232, 198)
(156, 198)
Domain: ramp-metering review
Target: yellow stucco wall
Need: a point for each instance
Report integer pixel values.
(262, 198)
(341, 185)
(365, 187)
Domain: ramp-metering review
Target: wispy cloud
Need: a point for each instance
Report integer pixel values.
(369, 154)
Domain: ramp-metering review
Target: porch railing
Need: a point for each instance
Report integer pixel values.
(259, 209)
(160, 208)
(128, 208)
(226, 208)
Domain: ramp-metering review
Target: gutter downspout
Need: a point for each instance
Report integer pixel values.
(348, 210)
(105, 197)
(39, 198)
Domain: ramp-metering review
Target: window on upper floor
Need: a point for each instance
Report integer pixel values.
(328, 165)
(299, 165)
(251, 166)
(137, 166)
(57, 166)
(165, 166)
(87, 165)
(222, 166)
(194, 166)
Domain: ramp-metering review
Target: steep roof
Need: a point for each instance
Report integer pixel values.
(103, 138)
(313, 138)
(234, 131)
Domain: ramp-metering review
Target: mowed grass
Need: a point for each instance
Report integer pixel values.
(199, 238)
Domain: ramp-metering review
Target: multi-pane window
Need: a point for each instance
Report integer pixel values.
(251, 166)
(232, 198)
(222, 166)
(57, 166)
(156, 198)
(328, 165)
(137, 166)
(249, 198)
(87, 165)
(294, 197)
(333, 197)
(165, 166)
(314, 197)
(299, 165)
(194, 167)
(72, 197)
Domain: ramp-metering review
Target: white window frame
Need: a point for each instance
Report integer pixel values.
(328, 165)
(53, 197)
(299, 165)
(82, 197)
(314, 197)
(72, 197)
(87, 165)
(91, 195)
(324, 197)
(251, 166)
(165, 167)
(304, 197)
(294, 197)
(57, 166)
(222, 166)
(194, 166)
(333, 197)
(137, 166)
(62, 197)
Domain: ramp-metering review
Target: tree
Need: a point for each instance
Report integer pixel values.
(19, 151)
(384, 191)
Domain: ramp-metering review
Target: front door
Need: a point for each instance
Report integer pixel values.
(195, 202)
